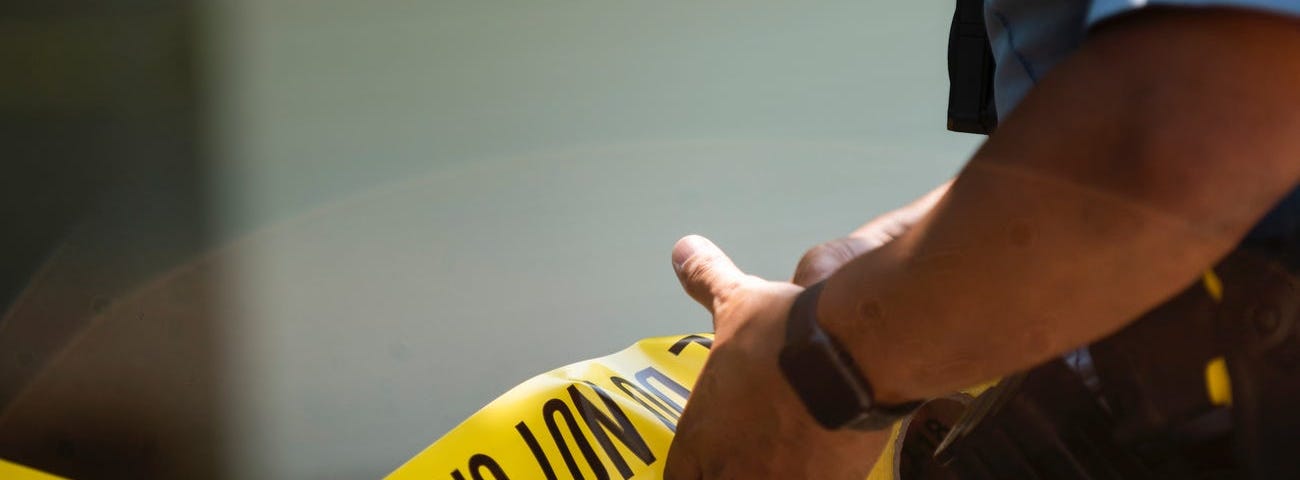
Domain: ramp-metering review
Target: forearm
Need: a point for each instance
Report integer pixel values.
(1004, 275)
(1083, 210)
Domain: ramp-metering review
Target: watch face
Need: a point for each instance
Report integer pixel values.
(830, 391)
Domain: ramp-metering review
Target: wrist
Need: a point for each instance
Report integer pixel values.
(849, 312)
(826, 377)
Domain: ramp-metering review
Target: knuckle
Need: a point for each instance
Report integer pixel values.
(697, 270)
(843, 250)
(811, 259)
(822, 254)
(817, 251)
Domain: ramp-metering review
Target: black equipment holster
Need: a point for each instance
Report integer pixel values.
(1135, 405)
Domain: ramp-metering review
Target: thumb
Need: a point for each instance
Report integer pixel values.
(706, 273)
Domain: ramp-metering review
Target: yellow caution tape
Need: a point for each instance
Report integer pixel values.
(615, 416)
(611, 417)
(13, 471)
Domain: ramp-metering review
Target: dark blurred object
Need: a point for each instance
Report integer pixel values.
(970, 72)
(1136, 404)
(1260, 321)
(101, 174)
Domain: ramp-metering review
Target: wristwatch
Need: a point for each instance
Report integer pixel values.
(825, 376)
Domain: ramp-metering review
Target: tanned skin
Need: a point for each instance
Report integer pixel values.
(1129, 169)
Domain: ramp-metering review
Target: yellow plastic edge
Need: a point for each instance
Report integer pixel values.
(14, 471)
(1218, 385)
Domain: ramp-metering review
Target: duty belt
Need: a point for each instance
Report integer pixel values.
(1205, 386)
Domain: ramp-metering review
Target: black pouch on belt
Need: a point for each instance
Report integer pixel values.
(1137, 404)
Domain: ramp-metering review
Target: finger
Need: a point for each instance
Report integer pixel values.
(706, 273)
(824, 259)
(890, 225)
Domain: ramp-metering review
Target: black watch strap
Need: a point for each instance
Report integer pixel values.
(825, 376)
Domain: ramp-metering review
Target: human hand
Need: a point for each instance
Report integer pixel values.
(743, 420)
(820, 261)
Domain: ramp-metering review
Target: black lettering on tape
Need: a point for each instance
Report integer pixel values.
(536, 448)
(677, 347)
(478, 462)
(646, 374)
(556, 406)
(481, 461)
(617, 423)
(664, 413)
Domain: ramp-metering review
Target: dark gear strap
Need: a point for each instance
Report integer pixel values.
(970, 72)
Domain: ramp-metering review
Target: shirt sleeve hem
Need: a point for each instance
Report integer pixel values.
(1102, 10)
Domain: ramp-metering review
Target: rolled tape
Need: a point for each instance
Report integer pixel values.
(610, 417)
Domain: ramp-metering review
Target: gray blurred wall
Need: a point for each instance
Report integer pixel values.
(413, 206)
(450, 197)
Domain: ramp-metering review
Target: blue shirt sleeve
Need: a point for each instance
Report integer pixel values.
(1103, 9)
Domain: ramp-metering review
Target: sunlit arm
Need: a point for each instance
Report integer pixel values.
(1127, 171)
